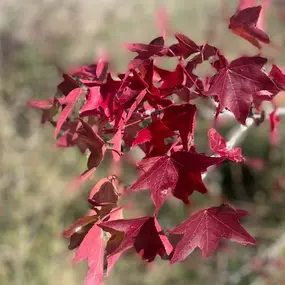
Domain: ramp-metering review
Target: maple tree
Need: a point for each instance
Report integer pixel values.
(154, 109)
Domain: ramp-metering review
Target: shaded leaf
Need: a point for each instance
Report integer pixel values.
(180, 117)
(164, 175)
(144, 234)
(243, 23)
(69, 103)
(205, 229)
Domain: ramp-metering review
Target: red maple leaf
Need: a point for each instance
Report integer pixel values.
(205, 53)
(68, 104)
(132, 128)
(67, 85)
(277, 76)
(92, 248)
(155, 133)
(243, 23)
(181, 117)
(175, 174)
(95, 72)
(104, 195)
(94, 143)
(86, 234)
(219, 145)
(144, 234)
(135, 85)
(170, 80)
(114, 110)
(185, 46)
(94, 100)
(79, 229)
(88, 138)
(145, 51)
(237, 84)
(108, 92)
(206, 228)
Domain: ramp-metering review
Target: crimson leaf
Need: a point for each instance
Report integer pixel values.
(144, 234)
(166, 175)
(69, 103)
(206, 228)
(236, 85)
(92, 248)
(243, 23)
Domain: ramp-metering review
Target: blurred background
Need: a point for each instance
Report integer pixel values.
(41, 38)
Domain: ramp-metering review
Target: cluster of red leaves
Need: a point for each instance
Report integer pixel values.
(153, 109)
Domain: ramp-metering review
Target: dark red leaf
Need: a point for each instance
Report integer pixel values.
(187, 183)
(104, 194)
(220, 62)
(145, 51)
(180, 117)
(77, 238)
(185, 46)
(170, 80)
(93, 142)
(161, 179)
(92, 72)
(79, 230)
(131, 129)
(243, 23)
(155, 133)
(69, 101)
(277, 76)
(236, 85)
(136, 85)
(108, 92)
(144, 234)
(206, 228)
(79, 224)
(166, 175)
(89, 136)
(67, 85)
